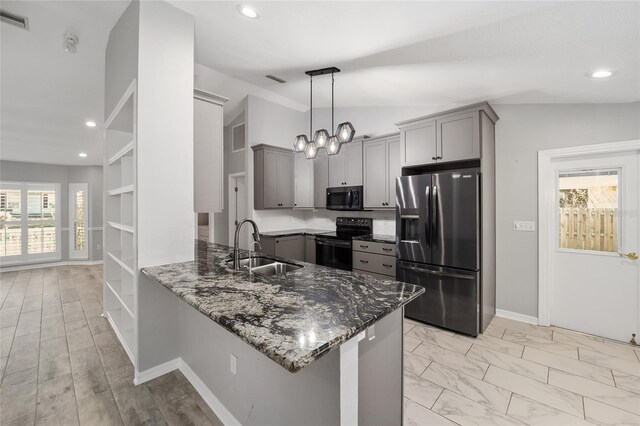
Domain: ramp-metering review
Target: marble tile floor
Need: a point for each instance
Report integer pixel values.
(61, 363)
(518, 373)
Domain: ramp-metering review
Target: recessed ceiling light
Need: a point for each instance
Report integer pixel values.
(90, 123)
(248, 11)
(601, 74)
(82, 154)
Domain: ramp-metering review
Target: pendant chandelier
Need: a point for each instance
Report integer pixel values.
(321, 140)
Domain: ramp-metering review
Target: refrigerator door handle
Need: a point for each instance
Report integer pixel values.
(436, 273)
(427, 225)
(435, 216)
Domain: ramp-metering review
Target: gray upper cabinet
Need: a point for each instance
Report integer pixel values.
(459, 137)
(375, 189)
(452, 135)
(320, 180)
(418, 143)
(381, 158)
(304, 189)
(273, 177)
(394, 169)
(337, 169)
(208, 152)
(345, 168)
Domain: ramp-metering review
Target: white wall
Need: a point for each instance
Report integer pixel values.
(371, 121)
(277, 125)
(165, 135)
(521, 132)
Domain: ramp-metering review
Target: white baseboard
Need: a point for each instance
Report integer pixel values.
(214, 403)
(50, 265)
(119, 336)
(157, 371)
(516, 316)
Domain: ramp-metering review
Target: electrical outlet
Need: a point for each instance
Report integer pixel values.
(524, 225)
(233, 364)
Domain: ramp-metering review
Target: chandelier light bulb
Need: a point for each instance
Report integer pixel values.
(333, 146)
(345, 132)
(300, 143)
(310, 152)
(321, 138)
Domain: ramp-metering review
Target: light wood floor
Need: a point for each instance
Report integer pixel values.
(518, 373)
(61, 364)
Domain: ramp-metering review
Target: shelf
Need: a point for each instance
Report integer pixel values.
(122, 116)
(121, 227)
(118, 155)
(115, 255)
(122, 190)
(125, 301)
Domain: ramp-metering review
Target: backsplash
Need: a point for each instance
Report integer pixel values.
(384, 222)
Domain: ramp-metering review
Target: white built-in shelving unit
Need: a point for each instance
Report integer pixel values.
(120, 260)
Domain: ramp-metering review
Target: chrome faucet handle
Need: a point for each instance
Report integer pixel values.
(253, 244)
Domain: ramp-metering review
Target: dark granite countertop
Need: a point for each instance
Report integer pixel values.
(377, 238)
(294, 318)
(292, 232)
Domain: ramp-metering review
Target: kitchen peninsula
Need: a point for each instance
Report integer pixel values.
(315, 345)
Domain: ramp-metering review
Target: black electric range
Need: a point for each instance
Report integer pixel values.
(334, 249)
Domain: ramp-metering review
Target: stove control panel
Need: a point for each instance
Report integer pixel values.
(354, 222)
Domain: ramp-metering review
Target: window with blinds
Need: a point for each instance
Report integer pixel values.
(29, 222)
(78, 221)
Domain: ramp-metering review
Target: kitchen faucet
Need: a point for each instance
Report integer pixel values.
(252, 250)
(236, 251)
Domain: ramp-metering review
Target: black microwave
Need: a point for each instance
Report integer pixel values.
(345, 198)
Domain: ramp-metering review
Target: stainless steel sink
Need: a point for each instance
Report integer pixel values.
(266, 266)
(255, 262)
(276, 268)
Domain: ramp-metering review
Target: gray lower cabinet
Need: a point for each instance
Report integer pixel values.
(453, 135)
(345, 168)
(273, 177)
(291, 247)
(381, 158)
(376, 259)
(320, 180)
(310, 249)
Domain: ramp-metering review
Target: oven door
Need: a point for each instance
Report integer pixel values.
(333, 253)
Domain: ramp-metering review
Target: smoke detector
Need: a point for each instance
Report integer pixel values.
(70, 42)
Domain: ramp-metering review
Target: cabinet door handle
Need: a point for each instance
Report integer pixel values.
(363, 247)
(364, 261)
(387, 265)
(386, 249)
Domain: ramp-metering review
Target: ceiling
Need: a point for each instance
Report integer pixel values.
(390, 53)
(416, 53)
(48, 94)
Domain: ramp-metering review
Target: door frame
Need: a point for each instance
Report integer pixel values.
(232, 208)
(546, 217)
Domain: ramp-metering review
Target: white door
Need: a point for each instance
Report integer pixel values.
(238, 211)
(594, 266)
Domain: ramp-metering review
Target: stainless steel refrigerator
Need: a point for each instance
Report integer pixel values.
(438, 247)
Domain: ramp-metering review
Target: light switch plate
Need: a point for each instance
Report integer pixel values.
(524, 225)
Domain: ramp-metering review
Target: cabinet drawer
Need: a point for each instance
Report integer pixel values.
(378, 276)
(376, 248)
(378, 263)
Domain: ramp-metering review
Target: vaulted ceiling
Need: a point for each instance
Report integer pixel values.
(390, 53)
